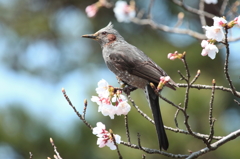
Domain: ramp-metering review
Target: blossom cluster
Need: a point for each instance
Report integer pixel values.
(105, 137)
(123, 11)
(110, 101)
(214, 34)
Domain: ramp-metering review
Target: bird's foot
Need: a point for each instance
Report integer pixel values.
(128, 89)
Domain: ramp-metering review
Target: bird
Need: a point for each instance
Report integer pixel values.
(135, 69)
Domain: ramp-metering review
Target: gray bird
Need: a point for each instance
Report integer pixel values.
(135, 69)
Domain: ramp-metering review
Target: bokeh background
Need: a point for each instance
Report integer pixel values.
(41, 51)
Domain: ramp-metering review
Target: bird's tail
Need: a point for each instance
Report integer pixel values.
(154, 104)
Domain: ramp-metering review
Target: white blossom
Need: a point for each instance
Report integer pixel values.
(102, 88)
(124, 12)
(123, 108)
(211, 1)
(214, 32)
(209, 49)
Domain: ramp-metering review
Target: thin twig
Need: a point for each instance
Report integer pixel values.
(55, 149)
(175, 118)
(200, 86)
(211, 103)
(211, 120)
(186, 67)
(75, 110)
(115, 143)
(192, 10)
(223, 7)
(127, 128)
(196, 77)
(170, 102)
(85, 108)
(238, 103)
(201, 16)
(149, 9)
(226, 63)
(139, 141)
(182, 76)
(211, 131)
(180, 20)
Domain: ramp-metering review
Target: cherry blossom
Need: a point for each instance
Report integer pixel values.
(211, 1)
(100, 129)
(209, 49)
(104, 137)
(110, 102)
(124, 12)
(102, 88)
(123, 108)
(218, 21)
(214, 32)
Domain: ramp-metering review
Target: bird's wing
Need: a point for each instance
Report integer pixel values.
(137, 64)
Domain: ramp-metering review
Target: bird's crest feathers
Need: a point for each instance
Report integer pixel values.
(109, 26)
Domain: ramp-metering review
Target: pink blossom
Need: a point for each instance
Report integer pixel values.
(219, 22)
(104, 137)
(100, 129)
(211, 1)
(209, 49)
(108, 141)
(124, 12)
(214, 32)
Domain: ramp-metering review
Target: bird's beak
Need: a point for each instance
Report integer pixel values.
(91, 36)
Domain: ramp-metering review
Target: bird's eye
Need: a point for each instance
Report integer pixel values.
(104, 33)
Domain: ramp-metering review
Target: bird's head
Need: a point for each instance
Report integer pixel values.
(105, 36)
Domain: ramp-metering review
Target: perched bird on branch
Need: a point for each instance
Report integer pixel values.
(135, 69)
